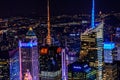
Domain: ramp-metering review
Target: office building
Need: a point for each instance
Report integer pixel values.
(50, 57)
(88, 51)
(26, 60)
(110, 67)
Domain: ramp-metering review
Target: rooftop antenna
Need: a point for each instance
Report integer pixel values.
(48, 41)
(93, 15)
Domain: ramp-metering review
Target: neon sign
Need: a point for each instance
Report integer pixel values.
(29, 44)
(77, 67)
(109, 45)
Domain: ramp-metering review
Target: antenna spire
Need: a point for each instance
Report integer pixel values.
(48, 24)
(93, 15)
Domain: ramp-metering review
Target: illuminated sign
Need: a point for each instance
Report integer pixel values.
(109, 45)
(44, 51)
(85, 66)
(59, 50)
(77, 67)
(29, 44)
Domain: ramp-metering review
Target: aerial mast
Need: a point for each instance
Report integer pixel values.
(48, 41)
(93, 15)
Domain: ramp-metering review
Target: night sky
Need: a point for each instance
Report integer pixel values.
(58, 7)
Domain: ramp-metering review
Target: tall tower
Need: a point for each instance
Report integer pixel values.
(28, 55)
(93, 15)
(49, 39)
(50, 57)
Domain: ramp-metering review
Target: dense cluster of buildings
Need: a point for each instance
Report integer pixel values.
(81, 60)
(67, 49)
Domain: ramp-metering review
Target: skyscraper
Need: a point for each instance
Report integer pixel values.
(50, 59)
(93, 45)
(26, 60)
(28, 55)
(110, 65)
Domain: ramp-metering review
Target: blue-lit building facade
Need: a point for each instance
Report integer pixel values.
(81, 71)
(14, 65)
(108, 55)
(111, 70)
(26, 59)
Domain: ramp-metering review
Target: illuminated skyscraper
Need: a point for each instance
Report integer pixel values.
(99, 32)
(108, 55)
(25, 59)
(28, 55)
(93, 44)
(50, 58)
(111, 71)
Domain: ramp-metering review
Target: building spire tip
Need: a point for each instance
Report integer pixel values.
(30, 28)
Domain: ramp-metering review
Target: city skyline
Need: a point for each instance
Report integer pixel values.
(59, 40)
(58, 7)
